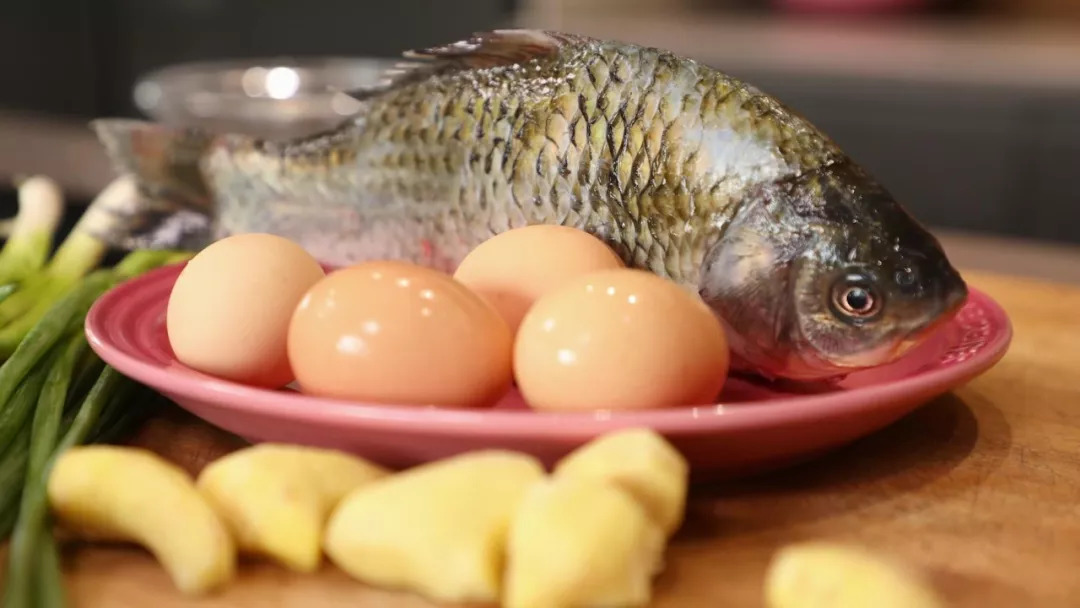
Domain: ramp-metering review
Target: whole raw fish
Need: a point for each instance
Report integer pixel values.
(813, 267)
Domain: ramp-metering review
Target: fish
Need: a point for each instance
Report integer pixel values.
(814, 269)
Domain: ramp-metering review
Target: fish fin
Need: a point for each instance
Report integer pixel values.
(482, 50)
(147, 223)
(164, 160)
(497, 47)
(172, 204)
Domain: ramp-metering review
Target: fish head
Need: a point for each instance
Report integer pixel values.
(824, 274)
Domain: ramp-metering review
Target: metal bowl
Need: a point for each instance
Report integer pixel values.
(271, 97)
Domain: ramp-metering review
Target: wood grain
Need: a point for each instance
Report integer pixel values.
(981, 488)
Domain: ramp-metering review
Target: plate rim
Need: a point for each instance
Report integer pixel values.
(222, 394)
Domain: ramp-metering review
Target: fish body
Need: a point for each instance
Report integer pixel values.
(681, 169)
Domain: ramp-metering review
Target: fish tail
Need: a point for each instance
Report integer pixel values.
(174, 206)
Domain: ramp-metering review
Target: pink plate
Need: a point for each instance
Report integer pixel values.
(756, 426)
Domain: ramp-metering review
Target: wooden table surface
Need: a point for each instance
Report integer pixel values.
(980, 487)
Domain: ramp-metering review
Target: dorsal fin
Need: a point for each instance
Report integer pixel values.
(498, 47)
(482, 50)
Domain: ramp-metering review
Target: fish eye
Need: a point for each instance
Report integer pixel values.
(854, 298)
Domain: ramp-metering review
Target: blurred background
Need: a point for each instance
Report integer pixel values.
(968, 110)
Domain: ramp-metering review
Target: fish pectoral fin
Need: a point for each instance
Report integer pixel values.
(482, 50)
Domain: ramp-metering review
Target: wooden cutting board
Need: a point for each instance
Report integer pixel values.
(980, 487)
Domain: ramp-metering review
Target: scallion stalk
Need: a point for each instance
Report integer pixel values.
(41, 207)
(31, 526)
(80, 253)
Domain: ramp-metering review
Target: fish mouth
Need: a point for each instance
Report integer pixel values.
(889, 351)
(955, 299)
(953, 303)
(883, 354)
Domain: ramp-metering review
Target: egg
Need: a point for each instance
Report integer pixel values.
(228, 313)
(393, 332)
(512, 269)
(619, 339)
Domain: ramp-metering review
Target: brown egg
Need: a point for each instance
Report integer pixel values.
(392, 332)
(619, 339)
(228, 313)
(512, 269)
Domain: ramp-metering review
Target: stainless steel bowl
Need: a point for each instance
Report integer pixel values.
(272, 97)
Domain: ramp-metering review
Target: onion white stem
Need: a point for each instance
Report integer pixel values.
(41, 207)
(81, 252)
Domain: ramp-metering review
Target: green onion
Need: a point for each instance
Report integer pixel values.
(85, 377)
(32, 520)
(8, 515)
(145, 260)
(12, 477)
(41, 206)
(111, 386)
(50, 407)
(133, 264)
(78, 398)
(16, 412)
(81, 252)
(49, 581)
(118, 423)
(26, 562)
(7, 289)
(26, 340)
